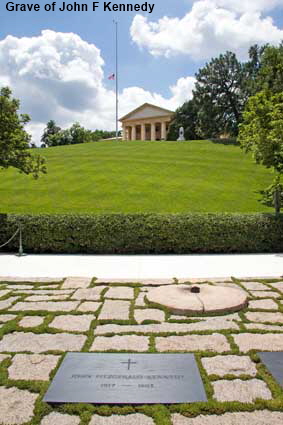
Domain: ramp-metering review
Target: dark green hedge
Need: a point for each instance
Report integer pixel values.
(145, 233)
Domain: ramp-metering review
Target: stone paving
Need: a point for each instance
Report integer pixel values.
(32, 366)
(41, 320)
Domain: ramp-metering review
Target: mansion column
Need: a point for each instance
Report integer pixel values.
(124, 132)
(134, 133)
(163, 131)
(142, 131)
(153, 135)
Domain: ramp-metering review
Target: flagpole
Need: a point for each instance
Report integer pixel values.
(117, 82)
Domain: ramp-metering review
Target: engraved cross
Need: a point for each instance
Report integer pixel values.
(129, 363)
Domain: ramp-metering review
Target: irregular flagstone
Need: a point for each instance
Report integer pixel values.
(229, 365)
(133, 419)
(120, 292)
(140, 301)
(7, 303)
(47, 297)
(117, 310)
(46, 306)
(27, 341)
(70, 322)
(256, 278)
(254, 286)
(32, 366)
(30, 279)
(47, 291)
(263, 304)
(149, 314)
(262, 317)
(146, 282)
(243, 391)
(7, 317)
(92, 294)
(4, 292)
(20, 287)
(262, 417)
(214, 342)
(47, 285)
(260, 342)
(265, 294)
(110, 280)
(263, 327)
(31, 321)
(16, 406)
(202, 279)
(277, 285)
(145, 288)
(157, 282)
(230, 285)
(76, 282)
(89, 306)
(56, 418)
(177, 317)
(167, 327)
(4, 357)
(120, 343)
(228, 317)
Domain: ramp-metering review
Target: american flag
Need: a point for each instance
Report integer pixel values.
(111, 77)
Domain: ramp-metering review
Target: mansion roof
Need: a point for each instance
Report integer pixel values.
(147, 110)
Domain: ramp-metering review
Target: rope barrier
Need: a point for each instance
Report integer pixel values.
(14, 235)
(21, 251)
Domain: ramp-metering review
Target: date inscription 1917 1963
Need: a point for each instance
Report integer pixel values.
(126, 379)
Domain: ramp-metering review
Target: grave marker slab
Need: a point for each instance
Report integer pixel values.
(126, 379)
(274, 363)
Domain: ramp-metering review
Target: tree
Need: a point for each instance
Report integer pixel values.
(270, 75)
(220, 96)
(79, 134)
(252, 68)
(14, 140)
(262, 134)
(50, 130)
(63, 137)
(185, 116)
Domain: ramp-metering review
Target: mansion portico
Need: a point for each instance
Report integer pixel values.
(147, 122)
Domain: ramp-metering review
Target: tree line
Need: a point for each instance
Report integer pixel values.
(53, 135)
(223, 87)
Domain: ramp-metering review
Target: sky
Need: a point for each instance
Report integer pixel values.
(58, 62)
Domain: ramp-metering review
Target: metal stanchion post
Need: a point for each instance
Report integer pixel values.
(21, 251)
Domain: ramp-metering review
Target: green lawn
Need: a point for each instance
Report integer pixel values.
(130, 177)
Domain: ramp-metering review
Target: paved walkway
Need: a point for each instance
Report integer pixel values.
(143, 266)
(41, 321)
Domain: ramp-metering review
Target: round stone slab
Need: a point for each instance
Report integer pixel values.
(211, 299)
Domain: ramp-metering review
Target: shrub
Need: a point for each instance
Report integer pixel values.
(145, 233)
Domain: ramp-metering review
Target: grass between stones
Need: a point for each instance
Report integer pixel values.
(161, 414)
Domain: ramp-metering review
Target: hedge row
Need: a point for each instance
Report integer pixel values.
(145, 233)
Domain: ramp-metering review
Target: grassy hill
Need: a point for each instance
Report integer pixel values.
(130, 177)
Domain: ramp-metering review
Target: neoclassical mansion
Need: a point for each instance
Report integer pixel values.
(147, 122)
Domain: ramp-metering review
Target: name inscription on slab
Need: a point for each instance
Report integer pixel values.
(274, 363)
(126, 379)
